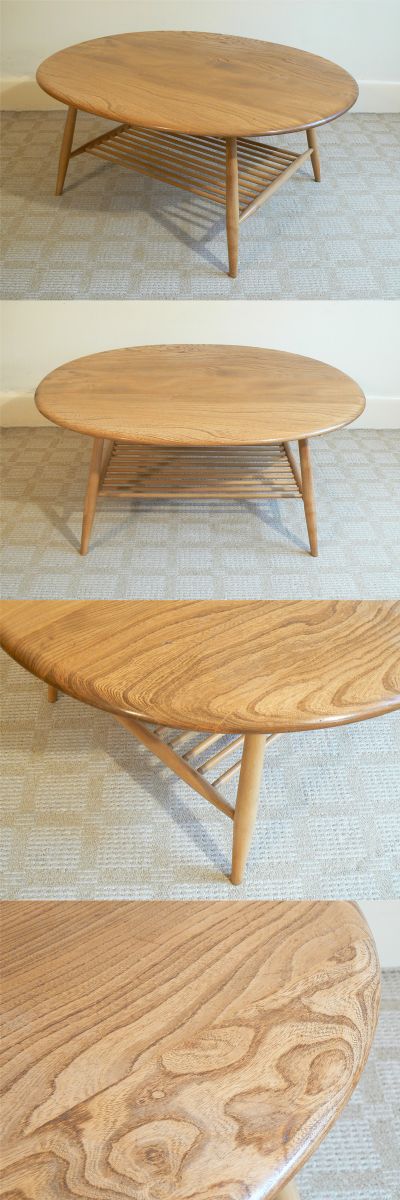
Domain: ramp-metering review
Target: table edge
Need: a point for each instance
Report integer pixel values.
(60, 95)
(306, 1149)
(370, 710)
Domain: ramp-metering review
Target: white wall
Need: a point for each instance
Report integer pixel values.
(359, 337)
(361, 35)
(383, 917)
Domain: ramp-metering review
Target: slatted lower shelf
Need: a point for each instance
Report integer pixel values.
(236, 473)
(204, 754)
(196, 164)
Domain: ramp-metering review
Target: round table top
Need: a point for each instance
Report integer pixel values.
(179, 1050)
(199, 395)
(199, 83)
(235, 666)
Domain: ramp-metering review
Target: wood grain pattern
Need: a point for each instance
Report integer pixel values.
(178, 1051)
(237, 666)
(192, 395)
(199, 83)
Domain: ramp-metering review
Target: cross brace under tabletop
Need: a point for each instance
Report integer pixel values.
(204, 753)
(238, 173)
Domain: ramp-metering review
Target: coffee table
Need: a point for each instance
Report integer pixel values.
(199, 422)
(240, 672)
(189, 106)
(180, 1051)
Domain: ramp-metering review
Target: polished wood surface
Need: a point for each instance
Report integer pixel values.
(199, 83)
(236, 666)
(178, 1050)
(192, 395)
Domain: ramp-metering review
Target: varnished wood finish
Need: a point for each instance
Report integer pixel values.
(185, 98)
(290, 1192)
(274, 183)
(239, 173)
(179, 1050)
(65, 151)
(315, 158)
(247, 802)
(219, 397)
(164, 750)
(192, 395)
(91, 493)
(308, 494)
(94, 650)
(233, 473)
(199, 83)
(232, 204)
(198, 165)
(233, 666)
(52, 694)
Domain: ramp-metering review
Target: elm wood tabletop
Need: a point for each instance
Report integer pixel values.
(199, 421)
(190, 106)
(241, 672)
(178, 1050)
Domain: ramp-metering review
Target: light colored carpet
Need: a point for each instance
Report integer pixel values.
(88, 813)
(115, 234)
(198, 550)
(360, 1158)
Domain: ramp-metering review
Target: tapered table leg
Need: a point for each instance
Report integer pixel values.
(52, 694)
(66, 145)
(290, 1192)
(91, 492)
(308, 494)
(315, 159)
(247, 801)
(232, 205)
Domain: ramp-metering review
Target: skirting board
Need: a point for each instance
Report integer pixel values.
(18, 408)
(18, 92)
(383, 917)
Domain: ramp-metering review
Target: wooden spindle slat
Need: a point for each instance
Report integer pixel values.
(196, 164)
(215, 758)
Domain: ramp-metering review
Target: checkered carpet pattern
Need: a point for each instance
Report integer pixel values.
(117, 235)
(195, 549)
(88, 813)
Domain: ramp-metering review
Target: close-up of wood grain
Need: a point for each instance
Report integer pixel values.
(194, 395)
(199, 83)
(236, 666)
(178, 1051)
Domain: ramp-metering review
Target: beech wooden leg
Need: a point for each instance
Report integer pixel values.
(308, 494)
(315, 159)
(232, 205)
(290, 1192)
(52, 693)
(66, 145)
(247, 801)
(91, 492)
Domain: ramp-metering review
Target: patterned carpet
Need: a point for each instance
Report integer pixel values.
(115, 234)
(87, 813)
(201, 550)
(360, 1158)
